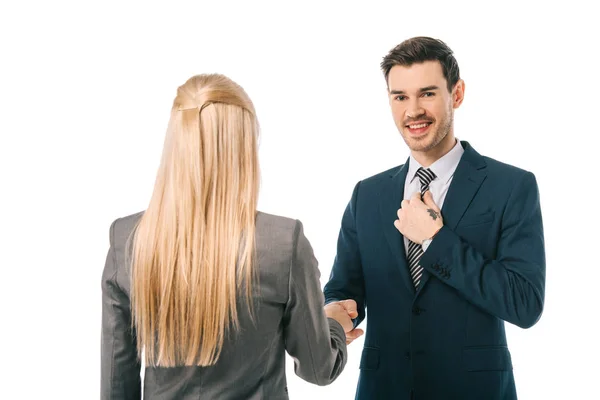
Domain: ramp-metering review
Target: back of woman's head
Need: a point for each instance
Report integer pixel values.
(193, 248)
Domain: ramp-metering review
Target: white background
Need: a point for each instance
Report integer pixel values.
(85, 93)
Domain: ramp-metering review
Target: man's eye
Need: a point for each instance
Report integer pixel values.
(428, 94)
(400, 98)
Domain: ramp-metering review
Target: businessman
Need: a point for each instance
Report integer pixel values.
(440, 250)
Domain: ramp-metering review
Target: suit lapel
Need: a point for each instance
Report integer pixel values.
(391, 199)
(468, 177)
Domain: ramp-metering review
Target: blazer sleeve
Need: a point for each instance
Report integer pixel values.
(511, 286)
(120, 367)
(346, 280)
(316, 343)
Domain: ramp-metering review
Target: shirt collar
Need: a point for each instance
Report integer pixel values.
(443, 168)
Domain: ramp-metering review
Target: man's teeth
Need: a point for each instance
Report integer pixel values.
(418, 126)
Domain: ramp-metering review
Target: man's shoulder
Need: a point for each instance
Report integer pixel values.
(502, 176)
(504, 170)
(381, 176)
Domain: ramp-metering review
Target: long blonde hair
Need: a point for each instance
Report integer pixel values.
(193, 249)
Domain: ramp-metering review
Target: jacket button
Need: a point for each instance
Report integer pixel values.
(417, 310)
(407, 355)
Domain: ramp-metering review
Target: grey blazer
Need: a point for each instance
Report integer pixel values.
(289, 317)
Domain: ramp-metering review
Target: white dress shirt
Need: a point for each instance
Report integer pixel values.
(444, 171)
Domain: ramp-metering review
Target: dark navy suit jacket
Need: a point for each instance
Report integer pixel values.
(445, 340)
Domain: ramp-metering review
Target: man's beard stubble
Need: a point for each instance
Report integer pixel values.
(440, 134)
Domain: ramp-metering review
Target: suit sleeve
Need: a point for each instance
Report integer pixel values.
(346, 278)
(316, 343)
(511, 286)
(120, 368)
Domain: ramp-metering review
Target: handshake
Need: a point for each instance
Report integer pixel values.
(343, 312)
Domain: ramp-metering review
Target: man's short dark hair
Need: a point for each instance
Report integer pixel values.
(420, 49)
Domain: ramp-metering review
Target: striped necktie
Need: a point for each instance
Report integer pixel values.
(415, 251)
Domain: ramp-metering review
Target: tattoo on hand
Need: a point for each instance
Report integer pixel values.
(433, 214)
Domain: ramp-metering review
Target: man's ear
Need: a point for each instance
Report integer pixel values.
(458, 93)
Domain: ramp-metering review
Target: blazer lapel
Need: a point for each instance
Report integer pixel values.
(468, 177)
(391, 199)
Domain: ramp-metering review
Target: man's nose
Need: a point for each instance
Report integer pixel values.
(414, 109)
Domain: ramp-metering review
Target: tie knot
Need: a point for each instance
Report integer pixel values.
(425, 176)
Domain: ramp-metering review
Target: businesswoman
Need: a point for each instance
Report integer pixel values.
(202, 288)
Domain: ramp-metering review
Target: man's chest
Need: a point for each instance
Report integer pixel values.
(438, 189)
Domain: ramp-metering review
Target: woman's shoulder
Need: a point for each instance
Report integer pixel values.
(275, 221)
(277, 230)
(122, 227)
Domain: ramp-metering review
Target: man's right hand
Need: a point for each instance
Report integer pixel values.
(343, 312)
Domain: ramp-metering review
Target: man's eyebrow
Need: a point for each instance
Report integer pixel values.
(424, 89)
(429, 88)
